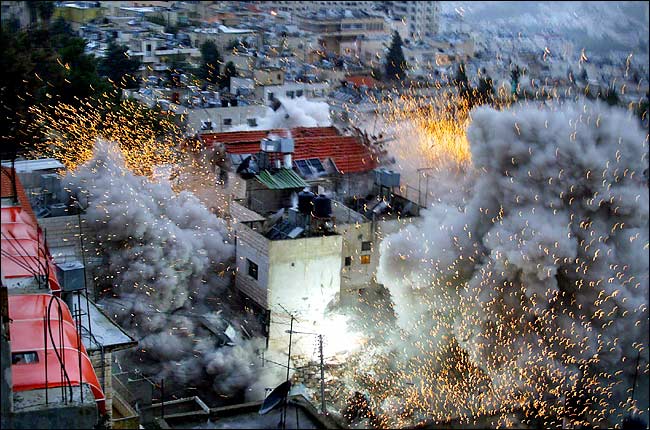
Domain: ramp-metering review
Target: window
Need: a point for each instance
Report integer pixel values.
(365, 259)
(24, 357)
(252, 122)
(227, 121)
(252, 269)
(290, 94)
(348, 261)
(366, 246)
(298, 93)
(270, 96)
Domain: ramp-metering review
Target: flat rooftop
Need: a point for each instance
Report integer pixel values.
(301, 414)
(26, 166)
(105, 332)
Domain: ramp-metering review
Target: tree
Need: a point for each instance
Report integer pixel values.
(41, 68)
(515, 73)
(610, 96)
(209, 69)
(485, 91)
(395, 62)
(228, 72)
(41, 9)
(119, 67)
(461, 81)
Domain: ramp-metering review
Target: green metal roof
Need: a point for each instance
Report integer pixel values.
(283, 179)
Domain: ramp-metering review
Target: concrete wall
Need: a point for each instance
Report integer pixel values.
(310, 91)
(305, 275)
(103, 371)
(6, 393)
(238, 115)
(262, 200)
(31, 411)
(359, 276)
(255, 247)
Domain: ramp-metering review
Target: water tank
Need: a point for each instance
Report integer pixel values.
(305, 201)
(322, 206)
(71, 275)
(58, 209)
(387, 178)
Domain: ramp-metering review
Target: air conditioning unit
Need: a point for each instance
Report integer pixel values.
(71, 275)
(270, 145)
(286, 145)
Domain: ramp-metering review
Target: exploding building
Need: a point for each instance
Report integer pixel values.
(310, 207)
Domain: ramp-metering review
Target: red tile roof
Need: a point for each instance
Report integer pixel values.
(349, 154)
(7, 190)
(363, 81)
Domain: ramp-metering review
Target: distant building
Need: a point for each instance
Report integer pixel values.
(79, 13)
(16, 12)
(224, 37)
(420, 18)
(157, 53)
(305, 6)
(340, 32)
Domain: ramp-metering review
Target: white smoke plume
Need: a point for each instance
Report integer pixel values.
(532, 294)
(166, 265)
(298, 112)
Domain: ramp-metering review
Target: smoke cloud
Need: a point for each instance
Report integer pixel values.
(298, 112)
(167, 266)
(531, 292)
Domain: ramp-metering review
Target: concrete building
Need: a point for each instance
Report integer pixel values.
(339, 30)
(17, 12)
(420, 19)
(79, 13)
(310, 90)
(224, 37)
(305, 6)
(158, 54)
(291, 258)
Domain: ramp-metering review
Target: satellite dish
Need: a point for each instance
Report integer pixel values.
(244, 164)
(275, 398)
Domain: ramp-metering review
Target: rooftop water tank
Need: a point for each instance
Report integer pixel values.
(322, 206)
(305, 202)
(71, 275)
(387, 178)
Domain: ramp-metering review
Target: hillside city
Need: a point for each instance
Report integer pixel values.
(324, 214)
